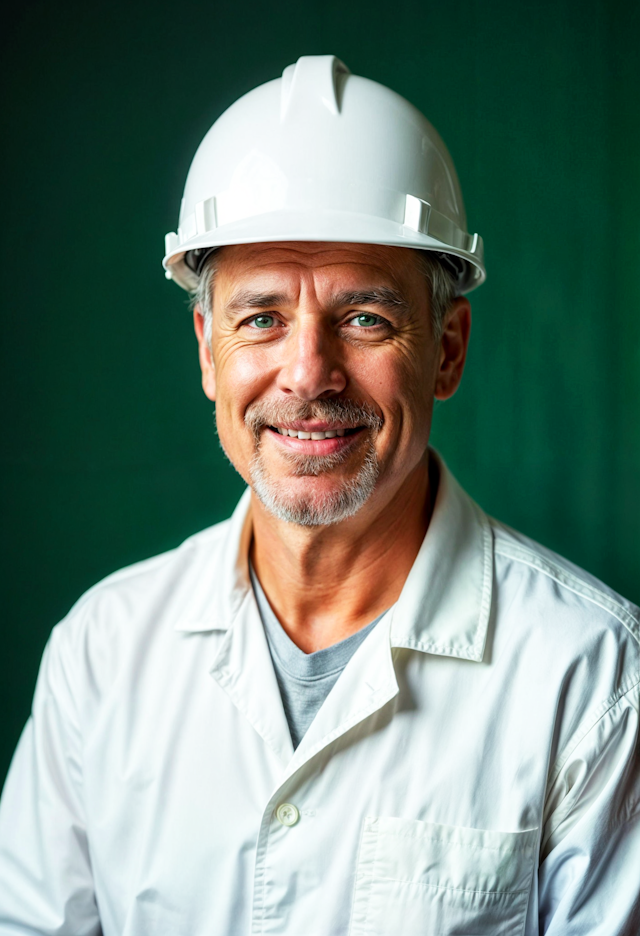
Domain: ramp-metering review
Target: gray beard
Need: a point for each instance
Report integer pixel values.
(313, 509)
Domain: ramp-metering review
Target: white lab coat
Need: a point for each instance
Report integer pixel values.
(471, 771)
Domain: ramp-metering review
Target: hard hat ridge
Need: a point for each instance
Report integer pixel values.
(322, 155)
(313, 79)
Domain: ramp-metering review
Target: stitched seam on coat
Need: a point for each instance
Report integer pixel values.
(572, 583)
(455, 890)
(487, 575)
(465, 845)
(367, 884)
(566, 804)
(440, 649)
(563, 758)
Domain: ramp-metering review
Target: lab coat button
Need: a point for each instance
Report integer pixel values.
(287, 814)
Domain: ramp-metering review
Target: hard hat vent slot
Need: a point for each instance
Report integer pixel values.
(416, 214)
(314, 80)
(206, 215)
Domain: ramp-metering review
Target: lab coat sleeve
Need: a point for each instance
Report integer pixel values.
(46, 884)
(589, 878)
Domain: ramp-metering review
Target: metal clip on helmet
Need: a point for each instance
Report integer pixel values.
(322, 155)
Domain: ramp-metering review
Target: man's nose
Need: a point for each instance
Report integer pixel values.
(312, 366)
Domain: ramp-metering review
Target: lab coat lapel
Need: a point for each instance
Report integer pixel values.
(243, 668)
(366, 684)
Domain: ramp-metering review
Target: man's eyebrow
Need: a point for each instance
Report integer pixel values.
(380, 295)
(247, 299)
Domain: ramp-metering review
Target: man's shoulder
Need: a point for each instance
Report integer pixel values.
(560, 587)
(128, 627)
(579, 637)
(155, 589)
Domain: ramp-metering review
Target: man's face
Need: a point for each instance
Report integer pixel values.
(324, 368)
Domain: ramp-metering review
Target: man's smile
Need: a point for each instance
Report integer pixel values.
(315, 438)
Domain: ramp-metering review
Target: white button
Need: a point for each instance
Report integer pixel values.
(287, 814)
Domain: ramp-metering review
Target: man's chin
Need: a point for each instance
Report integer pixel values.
(312, 494)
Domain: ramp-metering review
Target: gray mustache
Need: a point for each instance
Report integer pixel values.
(348, 413)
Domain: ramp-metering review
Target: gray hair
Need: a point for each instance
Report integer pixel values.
(442, 280)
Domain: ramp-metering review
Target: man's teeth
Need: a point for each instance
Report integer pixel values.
(316, 436)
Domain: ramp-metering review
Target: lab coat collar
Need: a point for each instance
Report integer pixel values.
(445, 604)
(443, 608)
(223, 583)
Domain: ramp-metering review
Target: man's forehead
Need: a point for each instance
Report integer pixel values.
(245, 259)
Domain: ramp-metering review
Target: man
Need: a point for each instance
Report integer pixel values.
(359, 706)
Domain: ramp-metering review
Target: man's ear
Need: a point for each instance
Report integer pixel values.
(204, 354)
(453, 348)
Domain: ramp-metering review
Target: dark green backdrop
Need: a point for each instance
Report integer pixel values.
(109, 453)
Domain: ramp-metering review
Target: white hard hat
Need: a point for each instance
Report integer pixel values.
(322, 155)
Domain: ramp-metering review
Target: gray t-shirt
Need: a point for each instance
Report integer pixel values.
(305, 679)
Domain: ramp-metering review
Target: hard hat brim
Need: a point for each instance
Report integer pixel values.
(314, 226)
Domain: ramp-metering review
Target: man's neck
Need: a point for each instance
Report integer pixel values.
(325, 583)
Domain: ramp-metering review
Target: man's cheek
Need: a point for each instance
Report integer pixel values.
(235, 438)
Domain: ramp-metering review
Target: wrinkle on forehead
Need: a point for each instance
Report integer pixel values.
(317, 254)
(388, 275)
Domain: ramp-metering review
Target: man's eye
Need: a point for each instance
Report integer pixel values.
(366, 320)
(263, 321)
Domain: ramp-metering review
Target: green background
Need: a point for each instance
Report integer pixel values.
(109, 452)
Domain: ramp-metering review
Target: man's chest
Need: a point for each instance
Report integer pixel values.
(418, 795)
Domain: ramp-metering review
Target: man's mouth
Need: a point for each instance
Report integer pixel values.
(316, 435)
(316, 427)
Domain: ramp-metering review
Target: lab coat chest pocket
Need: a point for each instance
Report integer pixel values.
(423, 879)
